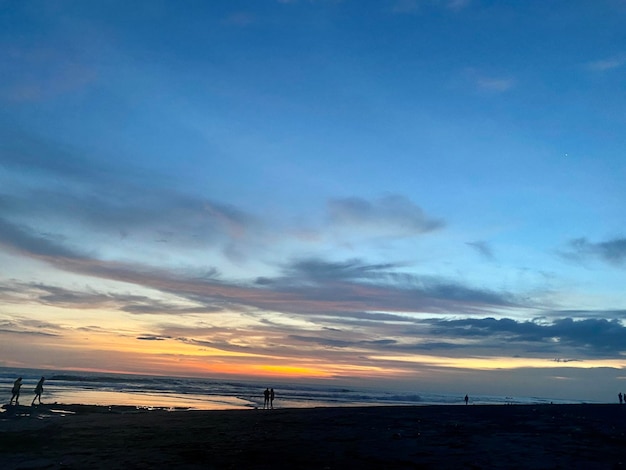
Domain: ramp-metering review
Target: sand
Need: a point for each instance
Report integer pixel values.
(430, 437)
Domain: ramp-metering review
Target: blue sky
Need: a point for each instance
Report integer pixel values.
(421, 193)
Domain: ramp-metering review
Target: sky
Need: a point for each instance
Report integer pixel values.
(420, 195)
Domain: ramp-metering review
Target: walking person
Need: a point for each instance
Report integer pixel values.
(466, 399)
(272, 395)
(38, 391)
(266, 401)
(16, 391)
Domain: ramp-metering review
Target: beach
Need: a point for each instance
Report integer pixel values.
(382, 437)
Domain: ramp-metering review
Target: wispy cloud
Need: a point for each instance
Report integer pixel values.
(392, 215)
(483, 249)
(608, 64)
(27, 326)
(495, 84)
(22, 240)
(405, 6)
(414, 6)
(153, 338)
(115, 202)
(42, 73)
(98, 206)
(490, 82)
(313, 286)
(589, 337)
(611, 251)
(90, 298)
(240, 18)
(321, 270)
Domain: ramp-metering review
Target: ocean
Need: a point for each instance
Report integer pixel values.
(143, 391)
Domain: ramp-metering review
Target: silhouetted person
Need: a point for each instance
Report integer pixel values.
(272, 395)
(38, 390)
(466, 399)
(621, 400)
(16, 391)
(266, 402)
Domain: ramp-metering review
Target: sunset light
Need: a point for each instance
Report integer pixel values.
(411, 196)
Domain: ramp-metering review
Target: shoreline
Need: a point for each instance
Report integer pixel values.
(369, 437)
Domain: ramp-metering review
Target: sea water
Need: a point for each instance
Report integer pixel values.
(142, 391)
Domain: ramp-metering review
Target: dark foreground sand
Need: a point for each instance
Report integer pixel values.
(544, 436)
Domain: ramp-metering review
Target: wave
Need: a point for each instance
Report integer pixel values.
(206, 392)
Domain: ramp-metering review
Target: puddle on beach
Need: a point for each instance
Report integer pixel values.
(61, 412)
(149, 401)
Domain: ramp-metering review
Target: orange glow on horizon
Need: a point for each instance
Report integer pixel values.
(294, 371)
(492, 363)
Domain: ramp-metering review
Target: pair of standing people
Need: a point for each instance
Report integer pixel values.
(269, 395)
(17, 385)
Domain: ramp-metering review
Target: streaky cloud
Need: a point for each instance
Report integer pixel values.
(326, 291)
(404, 7)
(21, 239)
(153, 338)
(576, 314)
(483, 249)
(340, 343)
(612, 251)
(593, 336)
(391, 215)
(321, 270)
(608, 64)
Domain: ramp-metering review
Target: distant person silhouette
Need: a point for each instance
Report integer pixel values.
(466, 399)
(272, 396)
(621, 399)
(266, 402)
(16, 391)
(38, 390)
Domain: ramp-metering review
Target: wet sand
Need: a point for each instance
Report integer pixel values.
(429, 437)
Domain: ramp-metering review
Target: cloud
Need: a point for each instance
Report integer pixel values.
(89, 298)
(351, 306)
(153, 338)
(563, 340)
(578, 314)
(405, 6)
(313, 286)
(34, 163)
(488, 82)
(414, 6)
(240, 18)
(342, 343)
(494, 84)
(154, 216)
(154, 307)
(483, 249)
(608, 64)
(26, 332)
(321, 270)
(357, 286)
(392, 215)
(612, 252)
(44, 72)
(26, 326)
(590, 337)
(457, 5)
(22, 240)
(94, 206)
(89, 203)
